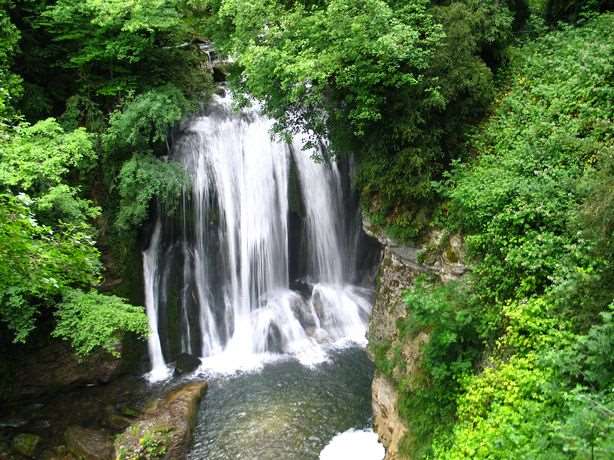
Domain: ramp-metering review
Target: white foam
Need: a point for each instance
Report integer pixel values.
(228, 363)
(159, 374)
(354, 445)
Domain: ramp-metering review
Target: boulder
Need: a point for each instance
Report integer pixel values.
(26, 444)
(305, 314)
(274, 340)
(186, 363)
(164, 430)
(89, 444)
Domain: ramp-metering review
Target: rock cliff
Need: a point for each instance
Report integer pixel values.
(440, 255)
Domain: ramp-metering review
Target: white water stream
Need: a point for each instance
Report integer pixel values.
(231, 255)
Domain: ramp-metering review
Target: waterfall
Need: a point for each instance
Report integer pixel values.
(151, 277)
(236, 249)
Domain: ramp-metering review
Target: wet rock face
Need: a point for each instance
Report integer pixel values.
(54, 368)
(186, 363)
(305, 315)
(394, 278)
(274, 340)
(165, 428)
(108, 408)
(386, 421)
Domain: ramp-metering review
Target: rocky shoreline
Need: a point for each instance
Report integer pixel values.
(57, 407)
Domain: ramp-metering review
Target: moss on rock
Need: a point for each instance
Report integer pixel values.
(165, 428)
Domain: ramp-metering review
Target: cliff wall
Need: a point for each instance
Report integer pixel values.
(440, 255)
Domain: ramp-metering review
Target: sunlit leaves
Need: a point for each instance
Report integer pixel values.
(38, 263)
(92, 321)
(41, 155)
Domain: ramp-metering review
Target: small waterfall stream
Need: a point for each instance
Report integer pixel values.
(260, 259)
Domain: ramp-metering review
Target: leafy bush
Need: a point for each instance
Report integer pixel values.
(39, 263)
(519, 364)
(122, 77)
(112, 48)
(47, 244)
(144, 123)
(40, 156)
(91, 321)
(428, 399)
(142, 179)
(572, 10)
(10, 84)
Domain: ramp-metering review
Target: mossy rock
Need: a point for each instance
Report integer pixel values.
(165, 428)
(26, 444)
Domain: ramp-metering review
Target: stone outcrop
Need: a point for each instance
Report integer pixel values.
(441, 255)
(54, 367)
(165, 428)
(186, 363)
(386, 421)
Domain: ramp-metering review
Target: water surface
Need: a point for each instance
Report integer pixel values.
(285, 411)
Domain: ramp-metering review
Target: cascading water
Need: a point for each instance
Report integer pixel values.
(218, 276)
(152, 278)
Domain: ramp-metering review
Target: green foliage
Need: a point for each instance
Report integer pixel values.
(144, 123)
(91, 321)
(587, 360)
(124, 73)
(396, 83)
(39, 263)
(500, 414)
(47, 245)
(455, 340)
(46, 239)
(152, 445)
(588, 429)
(425, 126)
(516, 201)
(142, 179)
(118, 46)
(291, 54)
(380, 352)
(523, 205)
(427, 400)
(597, 212)
(519, 359)
(572, 10)
(10, 84)
(40, 156)
(528, 407)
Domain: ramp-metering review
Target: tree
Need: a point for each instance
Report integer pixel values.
(47, 240)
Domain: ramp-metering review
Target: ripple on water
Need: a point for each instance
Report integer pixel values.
(286, 411)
